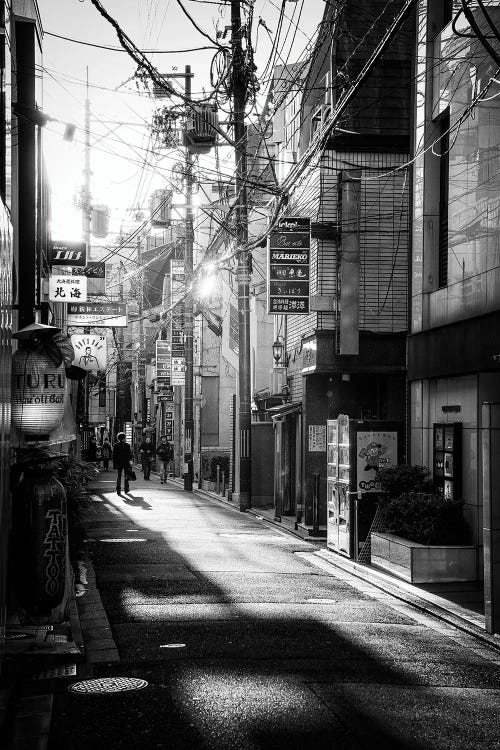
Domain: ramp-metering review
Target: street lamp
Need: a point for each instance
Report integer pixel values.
(278, 350)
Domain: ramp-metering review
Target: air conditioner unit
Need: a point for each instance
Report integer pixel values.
(277, 380)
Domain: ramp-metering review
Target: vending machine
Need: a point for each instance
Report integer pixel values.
(356, 450)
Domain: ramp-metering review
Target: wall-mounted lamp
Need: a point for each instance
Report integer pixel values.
(279, 353)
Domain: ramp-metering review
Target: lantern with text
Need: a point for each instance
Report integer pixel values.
(38, 392)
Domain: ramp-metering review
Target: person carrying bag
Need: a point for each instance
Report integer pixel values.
(122, 459)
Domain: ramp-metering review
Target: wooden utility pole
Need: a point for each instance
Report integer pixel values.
(239, 86)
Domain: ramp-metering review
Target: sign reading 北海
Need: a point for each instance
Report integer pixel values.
(64, 288)
(289, 267)
(67, 253)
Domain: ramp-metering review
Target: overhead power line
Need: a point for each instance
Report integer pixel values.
(110, 48)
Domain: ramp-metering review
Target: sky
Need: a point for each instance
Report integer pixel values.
(125, 170)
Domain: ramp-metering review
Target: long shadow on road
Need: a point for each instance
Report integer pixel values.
(246, 645)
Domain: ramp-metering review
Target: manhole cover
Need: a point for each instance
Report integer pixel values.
(107, 685)
(64, 670)
(12, 636)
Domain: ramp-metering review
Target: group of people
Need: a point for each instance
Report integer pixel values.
(121, 454)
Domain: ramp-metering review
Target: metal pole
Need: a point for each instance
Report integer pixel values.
(188, 312)
(316, 506)
(243, 270)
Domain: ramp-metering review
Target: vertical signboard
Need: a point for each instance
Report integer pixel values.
(178, 290)
(289, 267)
(163, 362)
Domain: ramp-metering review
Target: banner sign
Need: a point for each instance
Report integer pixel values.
(64, 288)
(93, 270)
(90, 351)
(163, 361)
(178, 370)
(67, 253)
(98, 314)
(289, 267)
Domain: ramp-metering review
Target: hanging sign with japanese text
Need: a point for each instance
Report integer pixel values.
(98, 314)
(93, 270)
(64, 288)
(67, 253)
(289, 267)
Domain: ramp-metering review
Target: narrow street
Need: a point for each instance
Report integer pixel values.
(245, 643)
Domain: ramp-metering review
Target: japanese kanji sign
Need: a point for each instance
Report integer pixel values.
(64, 288)
(289, 267)
(98, 314)
(93, 270)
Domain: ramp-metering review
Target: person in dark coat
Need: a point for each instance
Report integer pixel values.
(147, 455)
(122, 458)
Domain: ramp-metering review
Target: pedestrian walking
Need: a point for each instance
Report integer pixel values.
(122, 457)
(106, 452)
(92, 450)
(165, 453)
(146, 452)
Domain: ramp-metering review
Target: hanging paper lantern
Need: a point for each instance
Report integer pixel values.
(38, 392)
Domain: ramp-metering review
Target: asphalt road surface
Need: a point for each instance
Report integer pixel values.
(246, 644)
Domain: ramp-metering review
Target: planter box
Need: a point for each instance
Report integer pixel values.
(419, 563)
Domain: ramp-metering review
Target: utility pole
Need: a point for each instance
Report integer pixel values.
(188, 310)
(243, 269)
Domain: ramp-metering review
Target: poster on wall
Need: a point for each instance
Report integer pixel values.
(374, 450)
(317, 438)
(90, 351)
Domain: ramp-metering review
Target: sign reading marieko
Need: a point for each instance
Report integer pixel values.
(65, 288)
(67, 253)
(98, 314)
(289, 267)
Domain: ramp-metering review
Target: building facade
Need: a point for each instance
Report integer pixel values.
(348, 355)
(454, 341)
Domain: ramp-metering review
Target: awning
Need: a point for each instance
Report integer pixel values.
(278, 412)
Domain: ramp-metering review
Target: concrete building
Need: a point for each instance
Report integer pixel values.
(454, 342)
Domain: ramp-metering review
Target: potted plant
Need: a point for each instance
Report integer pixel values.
(423, 536)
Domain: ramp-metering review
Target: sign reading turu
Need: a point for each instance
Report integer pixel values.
(289, 267)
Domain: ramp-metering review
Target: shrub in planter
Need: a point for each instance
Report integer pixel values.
(426, 518)
(74, 474)
(395, 480)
